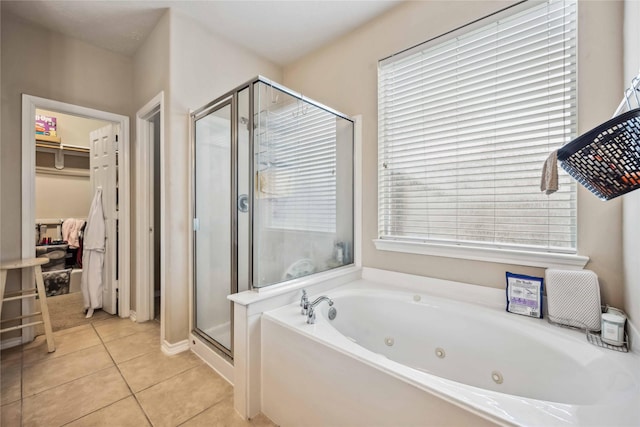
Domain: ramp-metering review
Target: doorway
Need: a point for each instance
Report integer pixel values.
(149, 188)
(64, 189)
(116, 291)
(157, 217)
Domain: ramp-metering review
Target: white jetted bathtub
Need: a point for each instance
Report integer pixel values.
(397, 357)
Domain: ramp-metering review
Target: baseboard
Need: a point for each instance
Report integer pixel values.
(16, 341)
(132, 315)
(172, 349)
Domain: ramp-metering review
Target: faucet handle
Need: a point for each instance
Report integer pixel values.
(311, 316)
(304, 302)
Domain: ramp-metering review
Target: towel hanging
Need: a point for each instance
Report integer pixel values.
(549, 180)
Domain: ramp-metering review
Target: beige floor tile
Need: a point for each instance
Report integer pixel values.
(49, 373)
(11, 354)
(67, 341)
(74, 400)
(10, 381)
(151, 368)
(115, 328)
(71, 330)
(126, 348)
(41, 338)
(124, 413)
(11, 415)
(223, 414)
(262, 420)
(183, 396)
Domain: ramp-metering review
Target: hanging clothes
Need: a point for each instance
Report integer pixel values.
(70, 231)
(93, 256)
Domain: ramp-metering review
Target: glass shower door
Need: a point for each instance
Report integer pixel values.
(214, 239)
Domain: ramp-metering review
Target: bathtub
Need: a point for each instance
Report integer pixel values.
(395, 356)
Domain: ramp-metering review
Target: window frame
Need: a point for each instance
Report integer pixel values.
(491, 252)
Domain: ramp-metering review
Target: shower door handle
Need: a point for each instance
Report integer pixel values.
(243, 203)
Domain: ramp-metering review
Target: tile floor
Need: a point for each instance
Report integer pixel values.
(112, 373)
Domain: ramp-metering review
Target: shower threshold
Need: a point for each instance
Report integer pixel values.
(220, 333)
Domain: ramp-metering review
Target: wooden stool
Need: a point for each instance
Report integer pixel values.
(39, 290)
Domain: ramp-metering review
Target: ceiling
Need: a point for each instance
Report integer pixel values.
(281, 31)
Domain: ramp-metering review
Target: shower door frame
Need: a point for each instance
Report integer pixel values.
(229, 99)
(232, 97)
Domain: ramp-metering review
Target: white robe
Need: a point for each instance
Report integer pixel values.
(93, 250)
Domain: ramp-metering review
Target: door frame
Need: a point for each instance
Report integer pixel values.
(29, 105)
(144, 187)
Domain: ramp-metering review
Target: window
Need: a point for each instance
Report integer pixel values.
(304, 164)
(303, 192)
(297, 170)
(464, 126)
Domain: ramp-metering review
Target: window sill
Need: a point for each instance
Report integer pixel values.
(503, 256)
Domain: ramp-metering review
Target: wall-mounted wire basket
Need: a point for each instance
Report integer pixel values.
(606, 160)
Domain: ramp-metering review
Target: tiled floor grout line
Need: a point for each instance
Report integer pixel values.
(65, 383)
(23, 397)
(85, 415)
(103, 344)
(44, 360)
(23, 366)
(123, 379)
(167, 379)
(114, 331)
(204, 410)
(120, 337)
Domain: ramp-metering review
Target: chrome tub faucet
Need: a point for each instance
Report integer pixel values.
(311, 315)
(304, 302)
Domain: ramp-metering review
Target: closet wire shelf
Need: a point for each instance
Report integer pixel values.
(606, 160)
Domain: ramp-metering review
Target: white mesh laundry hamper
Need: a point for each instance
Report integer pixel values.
(573, 298)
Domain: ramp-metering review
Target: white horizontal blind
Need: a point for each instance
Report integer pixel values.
(464, 127)
(297, 175)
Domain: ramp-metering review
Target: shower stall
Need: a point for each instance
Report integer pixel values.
(272, 197)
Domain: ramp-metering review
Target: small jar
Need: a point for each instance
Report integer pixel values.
(613, 327)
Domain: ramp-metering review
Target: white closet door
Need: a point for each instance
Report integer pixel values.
(104, 173)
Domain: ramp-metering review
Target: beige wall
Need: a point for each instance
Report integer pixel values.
(180, 57)
(631, 201)
(45, 64)
(192, 66)
(38, 62)
(600, 83)
(343, 75)
(151, 69)
(62, 196)
(203, 67)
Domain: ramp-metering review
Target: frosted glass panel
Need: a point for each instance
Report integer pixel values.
(303, 196)
(213, 245)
